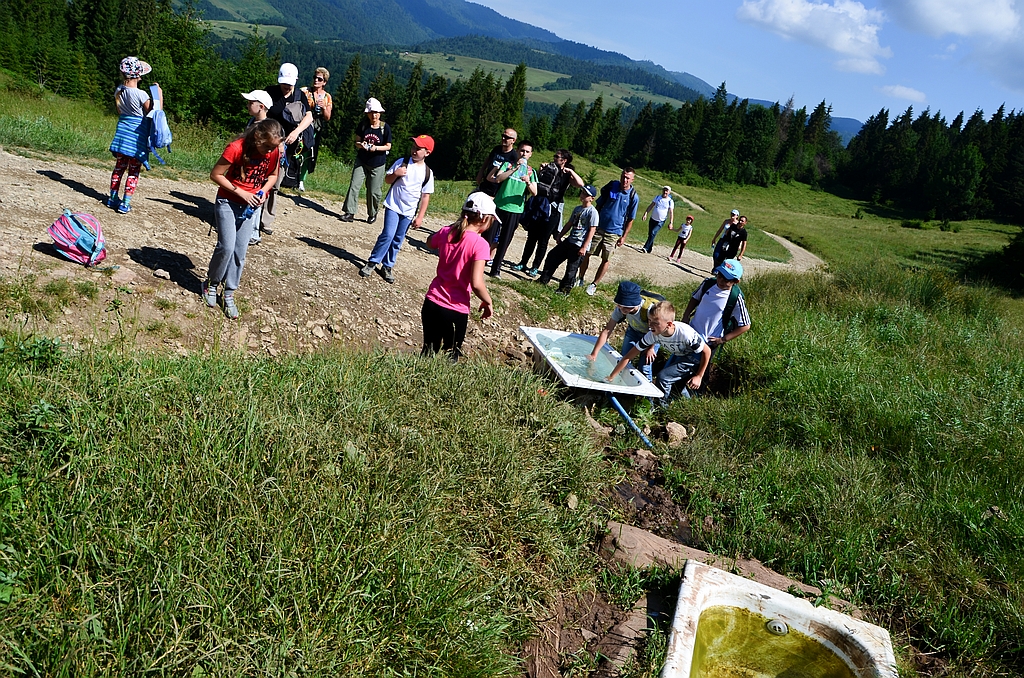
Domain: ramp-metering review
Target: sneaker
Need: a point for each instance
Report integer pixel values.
(591, 289)
(533, 273)
(347, 217)
(387, 274)
(372, 219)
(124, 208)
(368, 269)
(302, 187)
(580, 282)
(209, 294)
(253, 242)
(544, 280)
(230, 310)
(489, 263)
(266, 230)
(495, 274)
(518, 267)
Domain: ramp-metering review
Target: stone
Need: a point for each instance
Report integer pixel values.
(676, 433)
(123, 276)
(162, 274)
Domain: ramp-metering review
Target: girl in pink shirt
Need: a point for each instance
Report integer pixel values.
(461, 255)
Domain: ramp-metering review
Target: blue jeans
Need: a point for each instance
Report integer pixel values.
(652, 230)
(390, 240)
(678, 367)
(233, 234)
(631, 338)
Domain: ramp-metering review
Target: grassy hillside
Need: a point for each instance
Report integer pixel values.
(222, 515)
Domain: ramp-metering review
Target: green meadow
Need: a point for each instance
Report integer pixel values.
(223, 514)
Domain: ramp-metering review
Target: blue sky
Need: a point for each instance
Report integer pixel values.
(946, 55)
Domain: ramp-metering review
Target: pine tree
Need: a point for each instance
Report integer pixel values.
(515, 98)
(348, 111)
(589, 131)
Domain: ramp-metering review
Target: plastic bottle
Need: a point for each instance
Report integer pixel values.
(250, 209)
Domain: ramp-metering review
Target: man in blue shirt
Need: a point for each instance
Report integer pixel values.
(617, 206)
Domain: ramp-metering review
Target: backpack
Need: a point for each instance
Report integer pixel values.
(79, 237)
(159, 134)
(293, 114)
(537, 211)
(426, 177)
(728, 322)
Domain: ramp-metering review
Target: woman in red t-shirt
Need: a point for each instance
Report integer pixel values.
(245, 173)
(461, 255)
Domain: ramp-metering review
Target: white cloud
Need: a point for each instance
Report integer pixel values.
(845, 27)
(969, 18)
(901, 92)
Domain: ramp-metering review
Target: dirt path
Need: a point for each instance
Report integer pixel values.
(301, 287)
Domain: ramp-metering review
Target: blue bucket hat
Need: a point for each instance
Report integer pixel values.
(731, 269)
(628, 294)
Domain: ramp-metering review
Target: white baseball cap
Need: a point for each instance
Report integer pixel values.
(482, 204)
(735, 213)
(373, 106)
(261, 96)
(288, 74)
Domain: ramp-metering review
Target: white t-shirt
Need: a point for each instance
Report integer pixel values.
(683, 341)
(404, 195)
(707, 318)
(684, 230)
(130, 100)
(661, 207)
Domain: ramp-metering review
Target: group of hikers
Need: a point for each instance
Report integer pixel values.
(279, 148)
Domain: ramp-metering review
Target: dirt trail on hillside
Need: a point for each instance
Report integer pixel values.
(300, 290)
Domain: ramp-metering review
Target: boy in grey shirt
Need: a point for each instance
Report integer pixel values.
(573, 242)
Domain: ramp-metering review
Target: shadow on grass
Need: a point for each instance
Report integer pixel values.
(193, 206)
(76, 186)
(179, 266)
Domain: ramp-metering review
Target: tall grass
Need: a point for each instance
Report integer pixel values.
(218, 515)
(873, 445)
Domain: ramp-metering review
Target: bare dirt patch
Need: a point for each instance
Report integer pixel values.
(301, 288)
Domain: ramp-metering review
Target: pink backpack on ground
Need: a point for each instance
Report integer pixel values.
(79, 237)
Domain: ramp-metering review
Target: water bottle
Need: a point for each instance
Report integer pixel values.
(249, 209)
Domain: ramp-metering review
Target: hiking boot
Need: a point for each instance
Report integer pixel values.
(209, 294)
(591, 289)
(347, 217)
(230, 310)
(387, 274)
(266, 230)
(368, 269)
(372, 219)
(544, 279)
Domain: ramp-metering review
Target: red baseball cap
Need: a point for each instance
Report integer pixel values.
(423, 141)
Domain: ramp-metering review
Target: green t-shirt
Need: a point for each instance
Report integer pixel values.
(511, 195)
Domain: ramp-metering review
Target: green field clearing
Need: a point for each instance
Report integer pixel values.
(463, 67)
(248, 10)
(240, 29)
(612, 92)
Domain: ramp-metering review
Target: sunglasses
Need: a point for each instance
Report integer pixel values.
(319, 77)
(505, 136)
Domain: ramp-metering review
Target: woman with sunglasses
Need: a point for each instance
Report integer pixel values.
(321, 104)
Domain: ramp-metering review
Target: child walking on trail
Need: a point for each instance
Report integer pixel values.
(245, 173)
(685, 230)
(405, 205)
(462, 254)
(130, 145)
(690, 355)
(573, 242)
